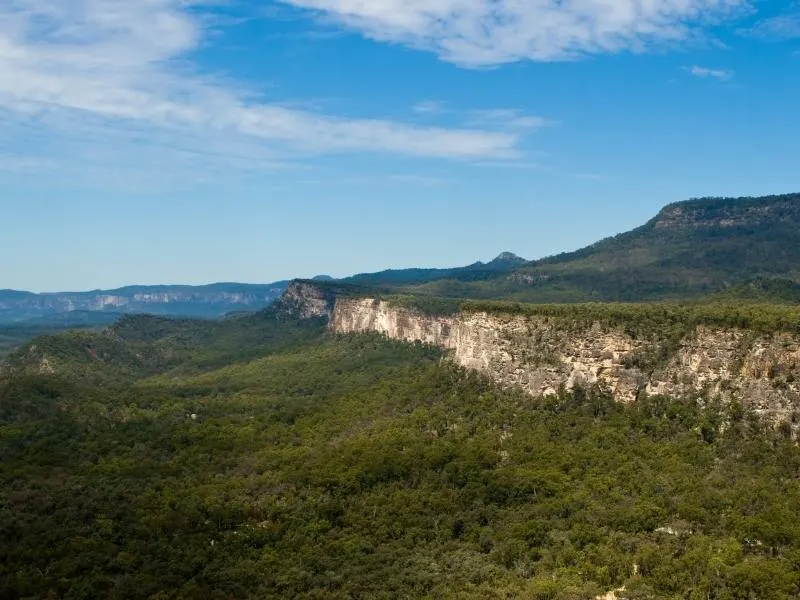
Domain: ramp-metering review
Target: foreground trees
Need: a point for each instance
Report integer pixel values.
(360, 468)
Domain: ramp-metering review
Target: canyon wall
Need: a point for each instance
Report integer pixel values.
(539, 354)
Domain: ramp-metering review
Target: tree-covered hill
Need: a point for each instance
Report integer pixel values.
(265, 458)
(689, 250)
(503, 263)
(141, 345)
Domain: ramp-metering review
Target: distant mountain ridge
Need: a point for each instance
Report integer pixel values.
(207, 301)
(213, 300)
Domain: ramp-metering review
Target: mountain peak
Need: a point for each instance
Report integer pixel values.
(508, 257)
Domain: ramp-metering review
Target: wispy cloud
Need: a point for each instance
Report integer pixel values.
(379, 180)
(429, 107)
(120, 73)
(706, 73)
(507, 119)
(778, 28)
(480, 33)
(492, 119)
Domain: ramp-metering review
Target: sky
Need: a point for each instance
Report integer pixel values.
(192, 141)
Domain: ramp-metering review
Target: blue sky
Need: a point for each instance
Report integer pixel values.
(181, 141)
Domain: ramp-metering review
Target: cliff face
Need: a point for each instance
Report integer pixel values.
(357, 315)
(539, 354)
(720, 213)
(306, 301)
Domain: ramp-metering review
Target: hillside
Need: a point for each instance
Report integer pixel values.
(137, 346)
(503, 263)
(262, 457)
(14, 335)
(774, 290)
(689, 250)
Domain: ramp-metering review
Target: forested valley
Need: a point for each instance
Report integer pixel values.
(264, 457)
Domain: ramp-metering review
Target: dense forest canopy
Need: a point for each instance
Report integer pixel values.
(263, 457)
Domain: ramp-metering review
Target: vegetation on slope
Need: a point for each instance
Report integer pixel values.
(141, 345)
(311, 466)
(689, 250)
(762, 289)
(478, 271)
(14, 336)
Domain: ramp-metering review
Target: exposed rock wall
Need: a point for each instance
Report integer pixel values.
(356, 315)
(539, 354)
(305, 300)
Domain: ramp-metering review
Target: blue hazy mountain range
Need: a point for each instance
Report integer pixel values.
(206, 301)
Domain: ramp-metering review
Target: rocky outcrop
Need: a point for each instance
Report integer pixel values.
(540, 354)
(763, 372)
(305, 301)
(726, 213)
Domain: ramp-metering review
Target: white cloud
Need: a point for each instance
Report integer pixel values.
(491, 32)
(119, 73)
(719, 74)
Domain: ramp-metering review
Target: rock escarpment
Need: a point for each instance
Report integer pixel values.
(357, 315)
(539, 354)
(306, 300)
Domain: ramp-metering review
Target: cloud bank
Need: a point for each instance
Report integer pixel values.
(115, 82)
(480, 33)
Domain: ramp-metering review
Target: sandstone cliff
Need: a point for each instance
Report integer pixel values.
(539, 353)
(306, 300)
